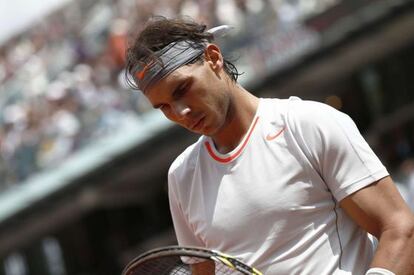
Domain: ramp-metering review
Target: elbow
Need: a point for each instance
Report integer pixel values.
(401, 229)
(409, 229)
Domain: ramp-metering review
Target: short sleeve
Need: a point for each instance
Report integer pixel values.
(337, 149)
(185, 236)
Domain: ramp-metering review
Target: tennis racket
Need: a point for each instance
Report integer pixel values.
(178, 260)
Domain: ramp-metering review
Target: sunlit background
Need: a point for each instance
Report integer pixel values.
(84, 159)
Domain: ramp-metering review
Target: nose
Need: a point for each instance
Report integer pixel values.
(181, 110)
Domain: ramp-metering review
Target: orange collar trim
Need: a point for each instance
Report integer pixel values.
(235, 154)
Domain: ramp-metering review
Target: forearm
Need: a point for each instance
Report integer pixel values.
(203, 268)
(395, 251)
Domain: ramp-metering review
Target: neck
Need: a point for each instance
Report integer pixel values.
(242, 109)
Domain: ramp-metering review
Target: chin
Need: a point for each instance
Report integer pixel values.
(199, 132)
(209, 131)
(203, 132)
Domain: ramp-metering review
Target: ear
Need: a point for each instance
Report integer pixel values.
(214, 57)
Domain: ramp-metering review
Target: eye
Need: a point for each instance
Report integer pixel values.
(180, 91)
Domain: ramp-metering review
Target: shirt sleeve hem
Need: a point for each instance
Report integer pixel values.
(352, 188)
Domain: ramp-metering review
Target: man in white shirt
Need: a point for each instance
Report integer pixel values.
(289, 186)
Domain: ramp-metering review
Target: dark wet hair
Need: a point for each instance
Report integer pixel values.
(158, 33)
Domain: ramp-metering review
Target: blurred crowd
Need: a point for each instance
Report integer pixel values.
(397, 148)
(406, 182)
(59, 90)
(61, 81)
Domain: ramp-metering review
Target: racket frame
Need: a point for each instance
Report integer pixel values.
(188, 251)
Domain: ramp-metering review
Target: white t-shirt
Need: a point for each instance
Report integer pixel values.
(270, 203)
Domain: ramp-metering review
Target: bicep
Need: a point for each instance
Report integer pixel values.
(377, 207)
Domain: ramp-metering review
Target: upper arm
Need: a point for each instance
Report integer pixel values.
(183, 229)
(378, 207)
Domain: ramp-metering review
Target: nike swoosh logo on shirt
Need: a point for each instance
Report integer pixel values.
(270, 137)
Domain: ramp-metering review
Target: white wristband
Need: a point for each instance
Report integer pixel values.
(379, 271)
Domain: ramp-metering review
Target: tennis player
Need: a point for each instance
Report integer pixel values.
(287, 185)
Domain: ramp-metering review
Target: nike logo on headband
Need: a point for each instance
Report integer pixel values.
(140, 74)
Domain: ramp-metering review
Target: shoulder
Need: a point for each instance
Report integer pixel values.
(187, 159)
(305, 108)
(297, 107)
(313, 114)
(300, 115)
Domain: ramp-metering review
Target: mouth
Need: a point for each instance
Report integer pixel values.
(198, 124)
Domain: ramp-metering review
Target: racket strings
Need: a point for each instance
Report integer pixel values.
(161, 266)
(173, 265)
